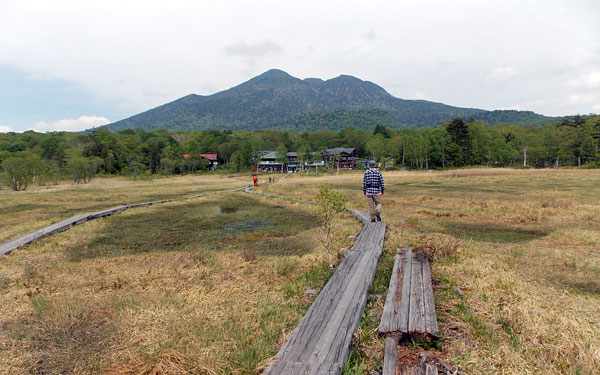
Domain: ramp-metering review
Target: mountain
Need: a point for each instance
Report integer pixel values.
(276, 100)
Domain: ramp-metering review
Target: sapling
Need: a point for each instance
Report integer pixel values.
(330, 203)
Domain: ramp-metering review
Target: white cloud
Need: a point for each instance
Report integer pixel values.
(5, 129)
(587, 81)
(179, 45)
(501, 75)
(82, 123)
(243, 49)
(576, 99)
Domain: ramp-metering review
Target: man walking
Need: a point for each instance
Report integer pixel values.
(373, 190)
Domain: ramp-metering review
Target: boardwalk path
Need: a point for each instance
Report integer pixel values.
(24, 240)
(321, 342)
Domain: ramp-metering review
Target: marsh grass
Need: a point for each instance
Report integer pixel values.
(39, 206)
(215, 285)
(520, 293)
(164, 289)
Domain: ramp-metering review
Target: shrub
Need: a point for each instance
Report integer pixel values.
(330, 203)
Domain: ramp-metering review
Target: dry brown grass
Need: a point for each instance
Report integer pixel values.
(518, 288)
(157, 291)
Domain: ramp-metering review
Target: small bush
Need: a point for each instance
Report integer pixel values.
(249, 255)
(437, 249)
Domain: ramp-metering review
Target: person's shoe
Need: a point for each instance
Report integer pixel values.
(372, 220)
(378, 217)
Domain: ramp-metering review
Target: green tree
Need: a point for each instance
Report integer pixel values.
(236, 162)
(376, 147)
(460, 142)
(83, 169)
(19, 171)
(380, 129)
(303, 153)
(281, 155)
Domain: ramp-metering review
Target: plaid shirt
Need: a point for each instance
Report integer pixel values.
(373, 182)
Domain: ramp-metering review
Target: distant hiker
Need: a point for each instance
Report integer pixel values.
(255, 179)
(373, 190)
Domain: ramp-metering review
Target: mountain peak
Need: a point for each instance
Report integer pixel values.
(273, 78)
(277, 100)
(275, 73)
(346, 77)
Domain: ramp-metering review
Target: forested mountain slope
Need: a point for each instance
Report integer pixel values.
(276, 100)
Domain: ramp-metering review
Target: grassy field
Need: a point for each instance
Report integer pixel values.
(518, 264)
(212, 285)
(202, 286)
(39, 206)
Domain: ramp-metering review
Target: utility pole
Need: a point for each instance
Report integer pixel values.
(525, 156)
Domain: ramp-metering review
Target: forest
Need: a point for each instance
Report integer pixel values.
(48, 158)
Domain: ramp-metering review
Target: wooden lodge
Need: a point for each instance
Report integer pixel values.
(212, 161)
(268, 160)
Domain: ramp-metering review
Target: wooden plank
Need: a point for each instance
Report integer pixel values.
(370, 238)
(406, 370)
(431, 326)
(310, 368)
(361, 215)
(318, 314)
(325, 333)
(403, 308)
(431, 369)
(416, 315)
(343, 334)
(390, 306)
(390, 356)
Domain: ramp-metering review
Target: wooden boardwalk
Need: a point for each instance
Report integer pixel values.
(409, 310)
(321, 342)
(24, 240)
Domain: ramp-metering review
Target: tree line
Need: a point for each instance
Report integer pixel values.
(42, 158)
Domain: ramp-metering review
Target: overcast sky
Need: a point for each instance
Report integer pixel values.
(71, 65)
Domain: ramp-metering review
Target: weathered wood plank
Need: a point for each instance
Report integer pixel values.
(416, 315)
(406, 370)
(327, 298)
(324, 334)
(431, 326)
(361, 215)
(402, 311)
(335, 314)
(390, 356)
(320, 311)
(370, 238)
(391, 302)
(310, 368)
(431, 369)
(340, 347)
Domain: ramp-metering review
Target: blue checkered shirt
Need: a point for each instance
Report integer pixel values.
(373, 182)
